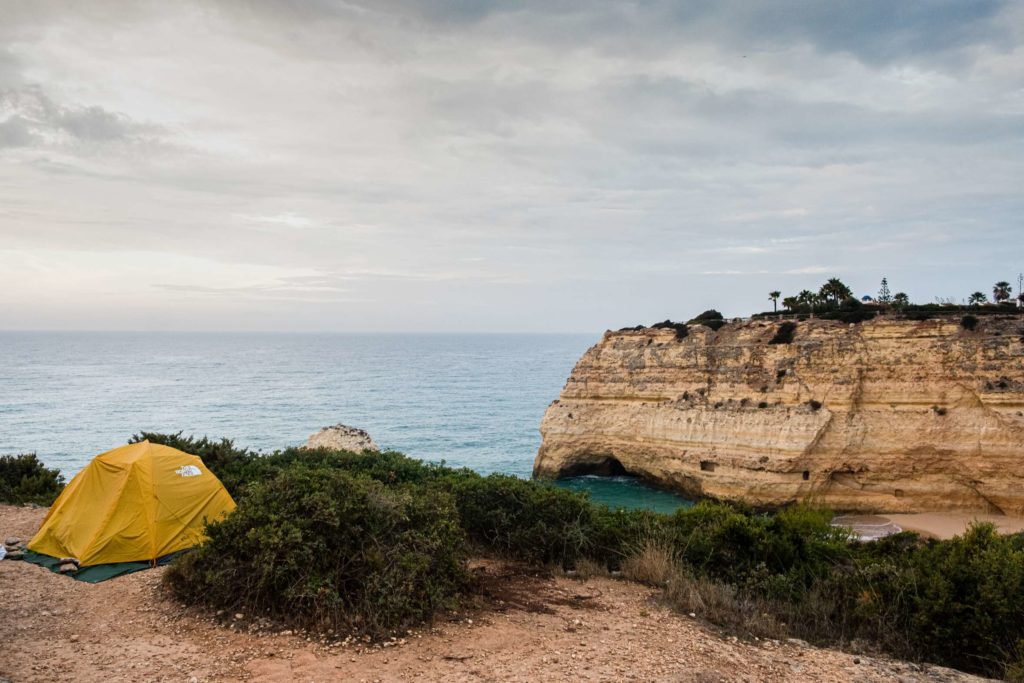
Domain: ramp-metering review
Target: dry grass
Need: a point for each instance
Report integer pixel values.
(654, 563)
(589, 569)
(722, 604)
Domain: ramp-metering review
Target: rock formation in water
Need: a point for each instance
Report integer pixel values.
(887, 415)
(342, 438)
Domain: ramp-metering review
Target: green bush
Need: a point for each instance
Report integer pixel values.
(681, 330)
(966, 606)
(324, 549)
(969, 322)
(24, 479)
(709, 318)
(524, 520)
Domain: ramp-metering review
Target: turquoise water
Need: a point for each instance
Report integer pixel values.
(473, 400)
(626, 492)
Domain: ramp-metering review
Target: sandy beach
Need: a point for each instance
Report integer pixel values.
(529, 627)
(942, 525)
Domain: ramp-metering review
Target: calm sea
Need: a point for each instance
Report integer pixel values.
(472, 400)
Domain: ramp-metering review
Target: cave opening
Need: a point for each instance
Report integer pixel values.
(603, 467)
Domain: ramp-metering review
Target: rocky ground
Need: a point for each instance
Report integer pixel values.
(529, 628)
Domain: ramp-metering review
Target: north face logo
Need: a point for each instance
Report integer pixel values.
(188, 471)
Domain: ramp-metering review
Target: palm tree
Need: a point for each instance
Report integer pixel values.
(791, 303)
(1001, 291)
(977, 299)
(900, 299)
(774, 296)
(835, 289)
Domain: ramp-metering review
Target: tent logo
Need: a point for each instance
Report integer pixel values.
(188, 471)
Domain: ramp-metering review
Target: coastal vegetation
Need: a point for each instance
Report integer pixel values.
(25, 479)
(834, 295)
(370, 543)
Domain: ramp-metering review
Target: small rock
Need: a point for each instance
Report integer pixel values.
(342, 438)
(12, 540)
(74, 639)
(239, 616)
(67, 568)
(856, 660)
(15, 555)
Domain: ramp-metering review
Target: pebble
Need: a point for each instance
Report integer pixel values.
(74, 639)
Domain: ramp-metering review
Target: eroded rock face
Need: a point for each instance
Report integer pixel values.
(342, 438)
(888, 415)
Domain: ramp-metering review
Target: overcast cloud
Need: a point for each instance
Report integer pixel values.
(399, 165)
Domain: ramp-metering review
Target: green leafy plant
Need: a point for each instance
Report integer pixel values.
(322, 548)
(24, 479)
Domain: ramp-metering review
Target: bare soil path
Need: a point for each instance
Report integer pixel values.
(533, 628)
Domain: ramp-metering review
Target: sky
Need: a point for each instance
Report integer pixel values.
(323, 165)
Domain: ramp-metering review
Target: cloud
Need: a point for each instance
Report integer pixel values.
(556, 165)
(32, 119)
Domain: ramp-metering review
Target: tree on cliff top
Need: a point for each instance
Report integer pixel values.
(1001, 291)
(977, 299)
(774, 296)
(835, 290)
(884, 295)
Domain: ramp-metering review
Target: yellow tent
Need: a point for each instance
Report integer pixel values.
(137, 502)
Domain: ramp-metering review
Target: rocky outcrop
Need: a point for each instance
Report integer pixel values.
(342, 438)
(887, 415)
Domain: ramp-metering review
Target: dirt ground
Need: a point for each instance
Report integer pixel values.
(532, 628)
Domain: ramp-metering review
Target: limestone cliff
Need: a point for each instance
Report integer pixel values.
(887, 415)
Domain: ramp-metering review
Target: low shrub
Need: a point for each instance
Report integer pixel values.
(850, 317)
(966, 605)
(24, 479)
(520, 519)
(784, 335)
(814, 404)
(324, 549)
(709, 318)
(682, 331)
(969, 322)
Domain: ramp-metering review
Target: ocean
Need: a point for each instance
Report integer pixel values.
(473, 400)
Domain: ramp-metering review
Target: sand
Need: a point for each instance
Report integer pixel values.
(943, 525)
(531, 627)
